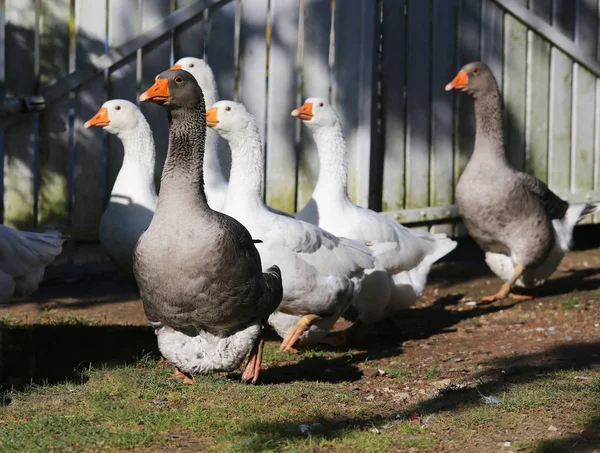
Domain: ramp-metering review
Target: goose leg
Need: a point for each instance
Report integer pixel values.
(252, 369)
(505, 289)
(163, 362)
(294, 334)
(185, 377)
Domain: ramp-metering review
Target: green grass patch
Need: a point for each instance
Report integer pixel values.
(570, 303)
(143, 407)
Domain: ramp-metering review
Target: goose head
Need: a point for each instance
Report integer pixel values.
(475, 79)
(316, 112)
(116, 116)
(199, 69)
(228, 118)
(175, 89)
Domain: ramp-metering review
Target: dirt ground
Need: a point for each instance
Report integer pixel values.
(445, 336)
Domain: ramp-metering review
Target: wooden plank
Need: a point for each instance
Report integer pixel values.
(281, 100)
(19, 156)
(54, 121)
(563, 19)
(442, 153)
(418, 104)
(155, 59)
(188, 40)
(2, 94)
(123, 25)
(221, 49)
(514, 92)
(492, 25)
(469, 39)
(90, 20)
(597, 135)
(469, 33)
(597, 146)
(584, 92)
(354, 88)
(253, 61)
(315, 83)
(561, 78)
(538, 87)
(393, 79)
(559, 146)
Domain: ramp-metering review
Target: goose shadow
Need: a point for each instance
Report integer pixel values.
(50, 354)
(417, 323)
(386, 338)
(576, 280)
(315, 369)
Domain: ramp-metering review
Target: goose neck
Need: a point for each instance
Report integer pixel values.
(247, 164)
(213, 174)
(489, 116)
(333, 162)
(138, 148)
(137, 170)
(183, 170)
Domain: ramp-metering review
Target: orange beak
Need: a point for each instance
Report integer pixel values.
(460, 82)
(157, 93)
(211, 117)
(305, 112)
(100, 119)
(176, 66)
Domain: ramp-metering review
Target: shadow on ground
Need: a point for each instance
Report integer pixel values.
(57, 353)
(504, 372)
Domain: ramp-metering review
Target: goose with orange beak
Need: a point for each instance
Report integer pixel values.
(133, 197)
(522, 226)
(198, 271)
(460, 82)
(321, 273)
(215, 182)
(304, 112)
(400, 274)
(100, 119)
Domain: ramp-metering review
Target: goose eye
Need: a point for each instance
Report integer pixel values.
(228, 109)
(191, 65)
(117, 107)
(474, 71)
(321, 104)
(178, 79)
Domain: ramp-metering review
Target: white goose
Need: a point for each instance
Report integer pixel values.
(401, 274)
(321, 273)
(133, 197)
(215, 183)
(23, 260)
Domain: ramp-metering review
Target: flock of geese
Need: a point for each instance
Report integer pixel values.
(214, 264)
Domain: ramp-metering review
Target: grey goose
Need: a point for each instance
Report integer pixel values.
(199, 273)
(523, 227)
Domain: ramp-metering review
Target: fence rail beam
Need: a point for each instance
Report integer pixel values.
(112, 58)
(547, 31)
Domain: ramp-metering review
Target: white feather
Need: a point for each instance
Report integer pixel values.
(320, 272)
(402, 271)
(23, 260)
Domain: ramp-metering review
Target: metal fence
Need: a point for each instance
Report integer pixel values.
(383, 63)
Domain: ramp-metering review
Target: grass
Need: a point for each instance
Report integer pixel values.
(570, 303)
(142, 406)
(52, 317)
